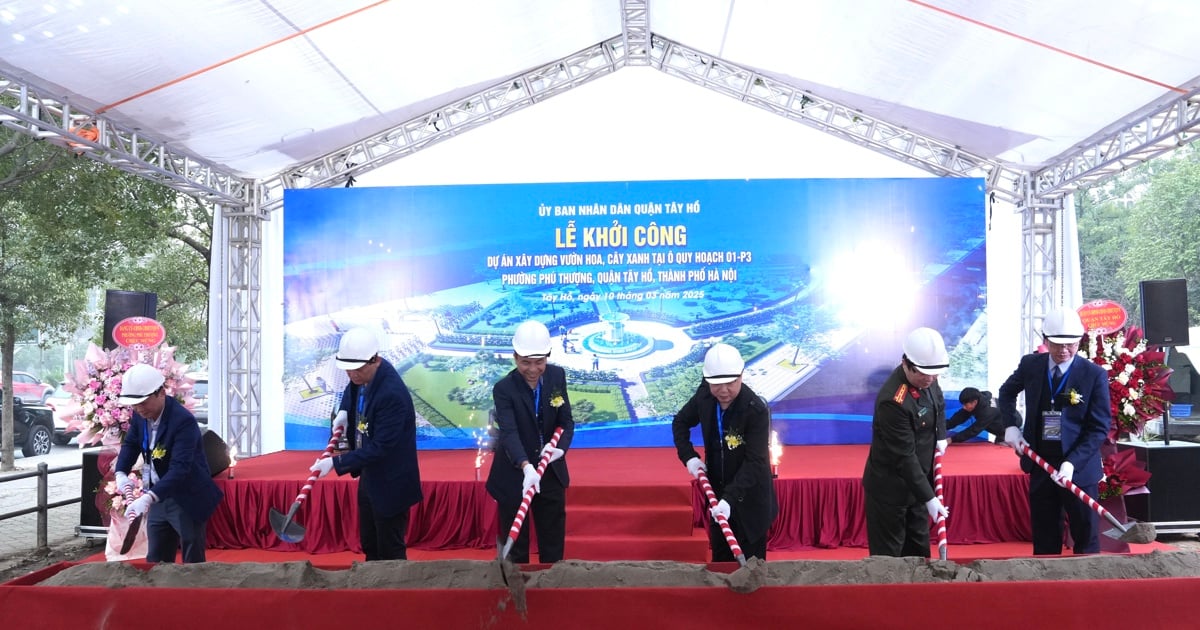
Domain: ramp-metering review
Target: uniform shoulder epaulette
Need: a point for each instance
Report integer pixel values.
(900, 393)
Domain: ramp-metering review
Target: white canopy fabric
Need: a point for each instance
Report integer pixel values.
(258, 86)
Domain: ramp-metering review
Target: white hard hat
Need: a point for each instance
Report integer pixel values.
(139, 382)
(926, 350)
(1062, 325)
(532, 340)
(722, 364)
(358, 346)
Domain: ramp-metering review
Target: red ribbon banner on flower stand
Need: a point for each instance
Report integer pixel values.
(1102, 316)
(138, 333)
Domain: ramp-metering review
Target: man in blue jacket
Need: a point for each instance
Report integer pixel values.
(179, 495)
(1067, 416)
(380, 423)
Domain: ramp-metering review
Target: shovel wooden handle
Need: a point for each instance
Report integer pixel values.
(515, 530)
(722, 522)
(1083, 496)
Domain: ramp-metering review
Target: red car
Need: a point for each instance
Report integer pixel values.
(31, 390)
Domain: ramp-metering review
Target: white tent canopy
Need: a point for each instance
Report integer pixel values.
(235, 100)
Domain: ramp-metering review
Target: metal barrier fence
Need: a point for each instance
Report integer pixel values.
(43, 506)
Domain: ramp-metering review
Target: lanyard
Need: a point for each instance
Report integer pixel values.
(1050, 381)
(146, 438)
(362, 401)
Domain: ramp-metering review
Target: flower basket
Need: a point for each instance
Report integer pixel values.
(1138, 384)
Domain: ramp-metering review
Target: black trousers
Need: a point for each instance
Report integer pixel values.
(168, 528)
(720, 546)
(382, 537)
(548, 510)
(1048, 503)
(897, 530)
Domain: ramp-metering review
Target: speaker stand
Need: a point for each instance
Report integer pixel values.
(1167, 408)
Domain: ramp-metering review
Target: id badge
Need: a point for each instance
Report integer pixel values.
(147, 479)
(1052, 425)
(358, 437)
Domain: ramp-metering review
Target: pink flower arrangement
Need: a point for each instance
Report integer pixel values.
(1137, 378)
(96, 383)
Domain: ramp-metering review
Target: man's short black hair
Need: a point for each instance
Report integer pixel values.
(968, 394)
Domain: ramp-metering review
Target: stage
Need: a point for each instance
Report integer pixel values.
(629, 502)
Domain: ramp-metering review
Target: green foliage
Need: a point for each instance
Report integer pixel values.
(1143, 225)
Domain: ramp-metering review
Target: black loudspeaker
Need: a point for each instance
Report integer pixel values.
(119, 305)
(216, 452)
(89, 482)
(1174, 497)
(1165, 311)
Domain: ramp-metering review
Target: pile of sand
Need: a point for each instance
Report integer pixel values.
(476, 574)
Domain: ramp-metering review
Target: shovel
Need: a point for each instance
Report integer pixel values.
(134, 526)
(1140, 533)
(509, 573)
(286, 529)
(937, 490)
(722, 522)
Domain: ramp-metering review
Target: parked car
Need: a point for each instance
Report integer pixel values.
(200, 397)
(62, 435)
(33, 427)
(28, 388)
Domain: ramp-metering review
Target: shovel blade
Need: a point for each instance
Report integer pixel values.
(285, 528)
(131, 534)
(1137, 533)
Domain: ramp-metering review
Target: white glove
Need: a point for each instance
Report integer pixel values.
(722, 509)
(140, 505)
(1064, 474)
(694, 466)
(123, 483)
(1014, 438)
(555, 452)
(935, 509)
(322, 466)
(340, 421)
(532, 479)
(941, 446)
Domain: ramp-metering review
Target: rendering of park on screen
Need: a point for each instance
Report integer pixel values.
(815, 281)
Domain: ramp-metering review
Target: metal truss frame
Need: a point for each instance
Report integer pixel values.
(241, 336)
(755, 88)
(242, 205)
(37, 112)
(510, 95)
(1148, 136)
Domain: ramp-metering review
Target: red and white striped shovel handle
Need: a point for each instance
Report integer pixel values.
(515, 530)
(1083, 496)
(722, 522)
(312, 478)
(940, 523)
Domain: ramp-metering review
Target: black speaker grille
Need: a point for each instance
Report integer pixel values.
(1165, 311)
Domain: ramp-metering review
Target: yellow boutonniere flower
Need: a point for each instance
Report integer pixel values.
(362, 426)
(733, 441)
(1074, 397)
(556, 401)
(159, 452)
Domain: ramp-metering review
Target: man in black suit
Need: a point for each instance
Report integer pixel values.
(735, 426)
(380, 423)
(1067, 420)
(531, 403)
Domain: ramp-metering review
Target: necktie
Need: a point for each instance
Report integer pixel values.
(1056, 378)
